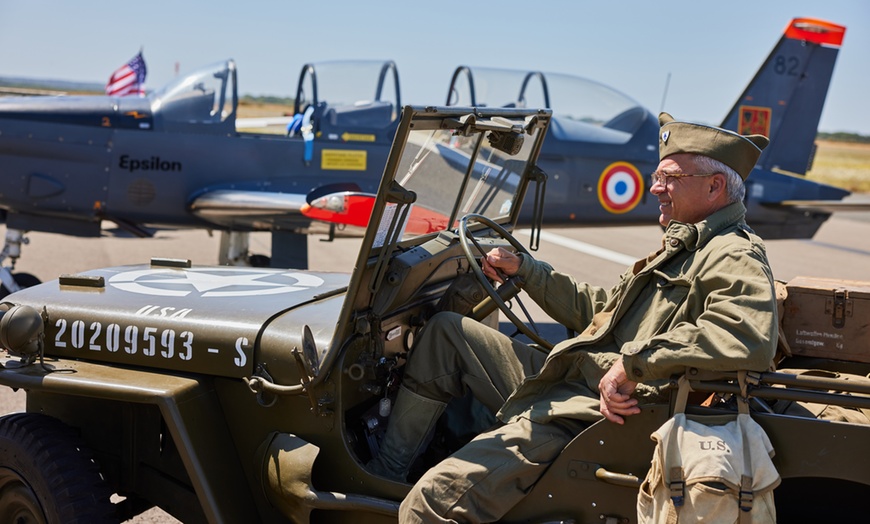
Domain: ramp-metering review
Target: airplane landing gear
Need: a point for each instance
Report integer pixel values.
(289, 250)
(234, 251)
(9, 282)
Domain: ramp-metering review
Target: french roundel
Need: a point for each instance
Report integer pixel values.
(620, 187)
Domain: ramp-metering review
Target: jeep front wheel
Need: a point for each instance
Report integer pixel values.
(47, 475)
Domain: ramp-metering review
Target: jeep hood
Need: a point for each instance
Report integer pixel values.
(194, 319)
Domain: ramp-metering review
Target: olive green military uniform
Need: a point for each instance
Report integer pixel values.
(705, 300)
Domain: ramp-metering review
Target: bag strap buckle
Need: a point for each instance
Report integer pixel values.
(677, 487)
(746, 495)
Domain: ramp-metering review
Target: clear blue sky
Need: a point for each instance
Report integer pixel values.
(711, 49)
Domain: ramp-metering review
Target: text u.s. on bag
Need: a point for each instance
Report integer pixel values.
(711, 469)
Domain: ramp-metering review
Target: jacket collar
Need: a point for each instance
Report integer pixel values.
(693, 236)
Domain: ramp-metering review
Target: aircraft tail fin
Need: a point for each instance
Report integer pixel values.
(785, 98)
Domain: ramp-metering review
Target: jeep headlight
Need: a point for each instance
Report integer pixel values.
(21, 332)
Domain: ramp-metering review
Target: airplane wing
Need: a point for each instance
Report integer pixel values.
(233, 208)
(288, 211)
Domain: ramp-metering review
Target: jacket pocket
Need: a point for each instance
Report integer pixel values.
(656, 309)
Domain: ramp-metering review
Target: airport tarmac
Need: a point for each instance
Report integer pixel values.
(841, 249)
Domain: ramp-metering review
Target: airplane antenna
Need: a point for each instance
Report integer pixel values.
(665, 94)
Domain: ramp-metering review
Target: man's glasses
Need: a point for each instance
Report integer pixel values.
(662, 178)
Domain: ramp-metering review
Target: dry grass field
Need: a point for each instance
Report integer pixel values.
(842, 164)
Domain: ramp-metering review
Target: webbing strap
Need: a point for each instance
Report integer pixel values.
(676, 475)
(746, 495)
(743, 399)
(682, 394)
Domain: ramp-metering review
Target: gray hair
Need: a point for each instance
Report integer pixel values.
(733, 182)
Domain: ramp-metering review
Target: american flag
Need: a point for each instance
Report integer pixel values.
(129, 79)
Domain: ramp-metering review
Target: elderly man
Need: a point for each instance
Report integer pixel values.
(706, 300)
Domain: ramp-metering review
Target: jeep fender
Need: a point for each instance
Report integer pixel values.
(189, 407)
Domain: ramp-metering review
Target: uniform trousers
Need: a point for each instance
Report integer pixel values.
(455, 354)
(489, 475)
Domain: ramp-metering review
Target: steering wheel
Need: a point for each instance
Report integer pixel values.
(499, 299)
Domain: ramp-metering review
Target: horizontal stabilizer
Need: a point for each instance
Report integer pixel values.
(825, 206)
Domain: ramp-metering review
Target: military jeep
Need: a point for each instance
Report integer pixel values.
(226, 394)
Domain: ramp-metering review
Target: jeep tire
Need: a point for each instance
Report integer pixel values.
(47, 475)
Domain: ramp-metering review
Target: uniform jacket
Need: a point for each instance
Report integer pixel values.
(705, 300)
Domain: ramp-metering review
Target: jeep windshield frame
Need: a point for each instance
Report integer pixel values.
(445, 162)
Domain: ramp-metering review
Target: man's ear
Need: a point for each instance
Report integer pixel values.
(718, 185)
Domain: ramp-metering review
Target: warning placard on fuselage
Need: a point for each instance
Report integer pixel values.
(343, 159)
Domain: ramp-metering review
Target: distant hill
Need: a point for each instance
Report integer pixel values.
(844, 137)
(52, 85)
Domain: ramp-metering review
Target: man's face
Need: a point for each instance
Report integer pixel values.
(683, 198)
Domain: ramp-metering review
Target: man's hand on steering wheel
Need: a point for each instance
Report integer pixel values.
(497, 260)
(499, 263)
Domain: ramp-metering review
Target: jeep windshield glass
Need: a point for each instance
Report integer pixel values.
(453, 175)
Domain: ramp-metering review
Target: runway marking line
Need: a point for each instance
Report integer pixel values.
(583, 247)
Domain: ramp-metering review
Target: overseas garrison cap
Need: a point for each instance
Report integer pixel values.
(739, 152)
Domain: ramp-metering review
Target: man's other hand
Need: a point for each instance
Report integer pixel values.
(615, 390)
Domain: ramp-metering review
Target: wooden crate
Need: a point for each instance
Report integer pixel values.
(828, 318)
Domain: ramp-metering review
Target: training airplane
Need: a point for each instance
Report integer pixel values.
(180, 157)
(602, 145)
